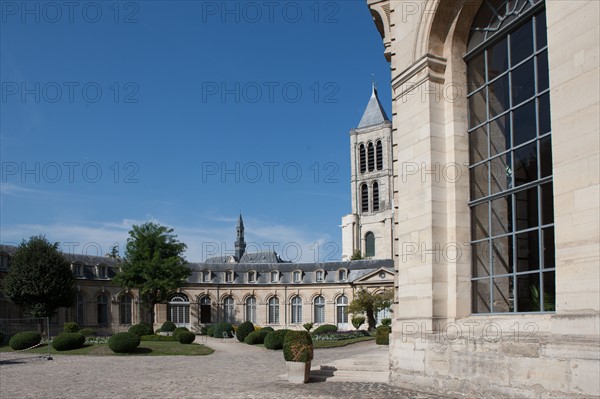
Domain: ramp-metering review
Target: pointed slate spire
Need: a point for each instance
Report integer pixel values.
(240, 243)
(374, 113)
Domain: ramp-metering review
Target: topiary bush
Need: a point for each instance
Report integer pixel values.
(68, 340)
(386, 322)
(141, 329)
(168, 326)
(308, 326)
(243, 330)
(325, 328)
(382, 335)
(87, 332)
(269, 329)
(70, 327)
(358, 321)
(177, 331)
(298, 347)
(24, 340)
(210, 331)
(124, 342)
(274, 340)
(186, 337)
(223, 328)
(256, 337)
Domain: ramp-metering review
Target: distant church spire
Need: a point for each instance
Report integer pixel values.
(240, 244)
(374, 113)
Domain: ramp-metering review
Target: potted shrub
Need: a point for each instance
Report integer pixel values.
(298, 353)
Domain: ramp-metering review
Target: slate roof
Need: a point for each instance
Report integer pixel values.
(374, 113)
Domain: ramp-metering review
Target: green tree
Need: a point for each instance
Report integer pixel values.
(154, 264)
(369, 303)
(40, 278)
(356, 255)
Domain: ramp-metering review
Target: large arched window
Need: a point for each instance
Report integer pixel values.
(375, 197)
(228, 310)
(80, 309)
(364, 198)
(179, 310)
(319, 309)
(125, 309)
(102, 310)
(379, 151)
(371, 157)
(296, 310)
(512, 225)
(274, 310)
(251, 309)
(369, 245)
(205, 309)
(362, 158)
(341, 306)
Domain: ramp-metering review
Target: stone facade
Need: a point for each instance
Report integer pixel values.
(447, 335)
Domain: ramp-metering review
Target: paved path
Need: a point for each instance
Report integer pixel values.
(234, 370)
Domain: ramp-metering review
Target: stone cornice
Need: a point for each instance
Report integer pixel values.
(427, 68)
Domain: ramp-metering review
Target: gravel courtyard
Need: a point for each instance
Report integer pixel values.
(234, 370)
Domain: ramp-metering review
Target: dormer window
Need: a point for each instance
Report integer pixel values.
(342, 275)
(78, 270)
(252, 276)
(229, 276)
(274, 277)
(297, 276)
(205, 277)
(319, 276)
(101, 271)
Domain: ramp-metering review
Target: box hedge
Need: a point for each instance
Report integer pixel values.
(325, 328)
(243, 330)
(186, 337)
(25, 340)
(124, 342)
(141, 329)
(168, 326)
(68, 340)
(70, 327)
(298, 347)
(178, 331)
(274, 340)
(222, 328)
(256, 337)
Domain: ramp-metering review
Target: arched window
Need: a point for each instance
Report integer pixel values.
(371, 156)
(205, 310)
(179, 310)
(364, 198)
(80, 309)
(342, 275)
(228, 310)
(319, 310)
(125, 309)
(274, 310)
(375, 197)
(362, 158)
(341, 306)
(510, 165)
(369, 245)
(296, 310)
(251, 309)
(379, 151)
(102, 309)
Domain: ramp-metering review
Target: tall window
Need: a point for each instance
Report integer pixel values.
(205, 309)
(228, 310)
(371, 157)
(362, 158)
(369, 244)
(375, 197)
(297, 276)
(80, 309)
(385, 313)
(274, 276)
(251, 309)
(512, 224)
(252, 276)
(206, 276)
(319, 309)
(319, 276)
(342, 275)
(179, 310)
(364, 198)
(379, 151)
(102, 309)
(341, 306)
(274, 310)
(296, 310)
(229, 276)
(125, 309)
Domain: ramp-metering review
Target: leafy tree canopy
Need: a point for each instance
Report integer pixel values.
(154, 264)
(40, 278)
(370, 303)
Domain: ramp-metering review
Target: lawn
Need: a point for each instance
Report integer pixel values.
(146, 348)
(335, 344)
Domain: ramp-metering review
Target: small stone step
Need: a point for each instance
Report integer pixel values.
(350, 375)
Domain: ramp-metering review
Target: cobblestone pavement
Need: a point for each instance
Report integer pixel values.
(234, 370)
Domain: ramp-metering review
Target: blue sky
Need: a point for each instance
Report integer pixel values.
(184, 113)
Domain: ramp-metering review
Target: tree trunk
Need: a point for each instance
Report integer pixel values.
(371, 319)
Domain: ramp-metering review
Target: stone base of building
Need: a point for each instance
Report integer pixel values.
(490, 359)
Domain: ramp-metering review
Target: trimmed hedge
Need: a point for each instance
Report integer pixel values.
(124, 342)
(243, 330)
(24, 340)
(298, 347)
(70, 327)
(67, 341)
(269, 329)
(141, 329)
(168, 326)
(210, 331)
(274, 340)
(87, 332)
(256, 337)
(382, 335)
(223, 328)
(154, 337)
(178, 331)
(186, 337)
(325, 328)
